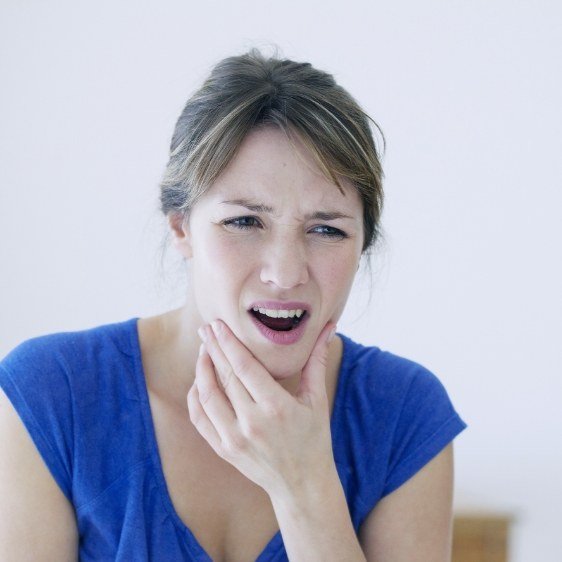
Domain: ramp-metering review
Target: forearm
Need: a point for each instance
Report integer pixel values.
(316, 525)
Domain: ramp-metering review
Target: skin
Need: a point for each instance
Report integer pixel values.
(262, 409)
(272, 402)
(261, 427)
(279, 256)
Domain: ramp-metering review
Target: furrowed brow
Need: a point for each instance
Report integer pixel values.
(328, 216)
(260, 208)
(257, 208)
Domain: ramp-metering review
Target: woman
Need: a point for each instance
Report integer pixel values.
(240, 426)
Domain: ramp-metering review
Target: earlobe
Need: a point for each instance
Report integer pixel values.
(181, 237)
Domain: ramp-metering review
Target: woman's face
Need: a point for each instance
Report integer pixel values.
(273, 234)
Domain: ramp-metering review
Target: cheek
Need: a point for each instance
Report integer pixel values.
(336, 276)
(339, 267)
(220, 268)
(222, 255)
(229, 243)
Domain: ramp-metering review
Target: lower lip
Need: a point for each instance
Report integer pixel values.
(281, 338)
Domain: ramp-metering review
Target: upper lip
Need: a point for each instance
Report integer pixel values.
(280, 305)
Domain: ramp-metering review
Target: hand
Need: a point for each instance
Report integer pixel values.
(279, 441)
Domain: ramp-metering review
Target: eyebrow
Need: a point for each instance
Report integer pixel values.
(259, 208)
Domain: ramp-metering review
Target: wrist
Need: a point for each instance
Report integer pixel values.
(308, 494)
(315, 523)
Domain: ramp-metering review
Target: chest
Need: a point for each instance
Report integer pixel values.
(231, 517)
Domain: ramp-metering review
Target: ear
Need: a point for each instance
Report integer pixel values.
(181, 236)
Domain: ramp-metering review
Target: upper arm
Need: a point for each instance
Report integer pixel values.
(37, 522)
(415, 521)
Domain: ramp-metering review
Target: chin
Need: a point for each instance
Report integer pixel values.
(281, 362)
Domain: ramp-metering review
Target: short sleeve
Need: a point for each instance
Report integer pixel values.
(426, 424)
(35, 379)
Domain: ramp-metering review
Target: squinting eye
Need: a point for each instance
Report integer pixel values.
(329, 232)
(242, 223)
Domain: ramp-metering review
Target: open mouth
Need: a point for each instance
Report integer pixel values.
(279, 323)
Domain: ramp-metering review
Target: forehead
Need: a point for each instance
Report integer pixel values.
(277, 170)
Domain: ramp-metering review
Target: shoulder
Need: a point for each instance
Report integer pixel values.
(401, 407)
(50, 376)
(386, 375)
(59, 352)
(63, 387)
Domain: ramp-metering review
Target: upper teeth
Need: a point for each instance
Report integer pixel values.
(279, 313)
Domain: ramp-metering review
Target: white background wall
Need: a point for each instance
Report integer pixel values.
(468, 95)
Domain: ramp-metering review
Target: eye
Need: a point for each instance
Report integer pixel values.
(242, 223)
(329, 232)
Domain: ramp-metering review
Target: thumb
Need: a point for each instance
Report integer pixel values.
(313, 378)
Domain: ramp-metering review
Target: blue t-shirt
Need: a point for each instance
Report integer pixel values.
(83, 398)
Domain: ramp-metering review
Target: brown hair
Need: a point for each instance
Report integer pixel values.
(251, 90)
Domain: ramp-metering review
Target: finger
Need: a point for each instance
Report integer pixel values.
(313, 379)
(233, 387)
(200, 419)
(255, 378)
(211, 397)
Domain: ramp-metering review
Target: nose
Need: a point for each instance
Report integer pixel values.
(284, 263)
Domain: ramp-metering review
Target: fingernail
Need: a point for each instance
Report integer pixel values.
(202, 334)
(332, 334)
(201, 349)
